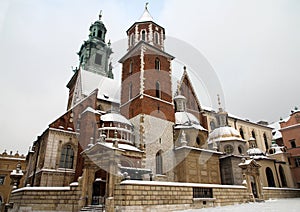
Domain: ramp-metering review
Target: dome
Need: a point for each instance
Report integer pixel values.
(224, 134)
(187, 120)
(255, 151)
(115, 117)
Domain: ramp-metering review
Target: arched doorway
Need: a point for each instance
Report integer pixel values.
(99, 188)
(282, 177)
(270, 177)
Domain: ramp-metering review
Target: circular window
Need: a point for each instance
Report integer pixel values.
(228, 149)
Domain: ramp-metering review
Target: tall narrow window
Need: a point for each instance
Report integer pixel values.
(266, 141)
(253, 134)
(130, 90)
(98, 59)
(99, 34)
(67, 157)
(143, 35)
(156, 38)
(157, 64)
(157, 90)
(159, 165)
(130, 67)
(132, 39)
(270, 177)
(242, 133)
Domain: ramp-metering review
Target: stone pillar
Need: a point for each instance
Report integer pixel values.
(87, 186)
(112, 180)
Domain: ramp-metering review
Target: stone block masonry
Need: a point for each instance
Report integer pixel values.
(132, 195)
(46, 199)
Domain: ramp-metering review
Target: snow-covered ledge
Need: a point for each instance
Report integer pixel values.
(276, 188)
(66, 188)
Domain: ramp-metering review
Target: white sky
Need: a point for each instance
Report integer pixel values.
(253, 46)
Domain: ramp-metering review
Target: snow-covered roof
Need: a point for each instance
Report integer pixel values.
(120, 146)
(187, 120)
(254, 151)
(108, 89)
(145, 16)
(115, 117)
(276, 133)
(199, 149)
(225, 133)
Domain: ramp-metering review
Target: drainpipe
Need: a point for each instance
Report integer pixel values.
(277, 174)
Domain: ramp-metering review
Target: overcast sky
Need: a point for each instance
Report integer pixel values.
(252, 45)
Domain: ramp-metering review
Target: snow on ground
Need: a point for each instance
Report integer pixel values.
(274, 205)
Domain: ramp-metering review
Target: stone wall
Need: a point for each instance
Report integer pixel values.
(45, 199)
(277, 193)
(166, 196)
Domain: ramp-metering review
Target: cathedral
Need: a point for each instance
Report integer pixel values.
(143, 131)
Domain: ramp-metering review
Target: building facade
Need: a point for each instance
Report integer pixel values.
(8, 163)
(290, 130)
(146, 131)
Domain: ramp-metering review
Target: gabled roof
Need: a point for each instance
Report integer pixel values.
(108, 89)
(186, 76)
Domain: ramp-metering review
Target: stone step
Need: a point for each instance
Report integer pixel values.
(93, 208)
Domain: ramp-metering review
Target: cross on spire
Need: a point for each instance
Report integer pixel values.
(100, 15)
(219, 101)
(146, 5)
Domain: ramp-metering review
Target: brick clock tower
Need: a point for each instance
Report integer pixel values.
(146, 94)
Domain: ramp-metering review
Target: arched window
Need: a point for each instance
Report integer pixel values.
(143, 35)
(198, 141)
(212, 125)
(157, 64)
(159, 164)
(130, 67)
(156, 37)
(266, 141)
(157, 90)
(66, 157)
(130, 90)
(282, 177)
(253, 134)
(131, 42)
(242, 133)
(270, 177)
(99, 34)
